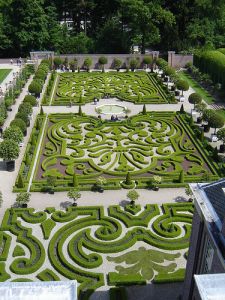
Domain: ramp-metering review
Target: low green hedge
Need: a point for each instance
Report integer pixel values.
(48, 275)
(177, 276)
(18, 251)
(118, 279)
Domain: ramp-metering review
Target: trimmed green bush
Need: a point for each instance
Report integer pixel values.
(30, 99)
(212, 63)
(20, 124)
(117, 279)
(195, 98)
(13, 133)
(35, 88)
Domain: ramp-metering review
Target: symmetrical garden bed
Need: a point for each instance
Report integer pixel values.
(157, 143)
(85, 243)
(80, 88)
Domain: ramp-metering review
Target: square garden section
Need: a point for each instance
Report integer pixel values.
(85, 147)
(80, 88)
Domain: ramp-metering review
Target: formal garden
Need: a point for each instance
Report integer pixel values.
(80, 88)
(107, 246)
(96, 247)
(77, 149)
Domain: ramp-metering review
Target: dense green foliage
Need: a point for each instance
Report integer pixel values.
(111, 26)
(13, 133)
(212, 63)
(11, 94)
(9, 150)
(111, 234)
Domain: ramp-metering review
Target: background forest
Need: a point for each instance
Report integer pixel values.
(110, 26)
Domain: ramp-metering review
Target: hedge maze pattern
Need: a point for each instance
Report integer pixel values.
(77, 243)
(144, 145)
(80, 88)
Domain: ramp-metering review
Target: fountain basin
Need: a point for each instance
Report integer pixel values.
(109, 109)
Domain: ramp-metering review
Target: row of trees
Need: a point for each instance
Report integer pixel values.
(210, 116)
(110, 26)
(14, 134)
(102, 61)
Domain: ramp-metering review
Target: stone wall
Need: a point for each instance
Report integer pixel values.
(178, 60)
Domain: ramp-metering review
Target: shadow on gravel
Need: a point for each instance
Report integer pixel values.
(124, 203)
(65, 204)
(2, 166)
(16, 205)
(180, 199)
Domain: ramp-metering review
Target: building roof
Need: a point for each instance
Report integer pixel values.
(51, 290)
(215, 194)
(211, 286)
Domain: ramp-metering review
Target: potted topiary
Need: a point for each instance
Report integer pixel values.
(35, 88)
(133, 195)
(9, 151)
(22, 199)
(100, 182)
(74, 194)
(117, 64)
(13, 133)
(156, 182)
(102, 61)
(189, 193)
(87, 63)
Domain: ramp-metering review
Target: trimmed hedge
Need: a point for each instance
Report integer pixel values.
(212, 63)
(177, 276)
(88, 228)
(138, 87)
(118, 279)
(96, 151)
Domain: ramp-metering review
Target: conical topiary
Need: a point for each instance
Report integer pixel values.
(28, 160)
(75, 180)
(144, 110)
(80, 111)
(20, 183)
(128, 180)
(202, 136)
(41, 111)
(182, 109)
(38, 125)
(181, 177)
(33, 139)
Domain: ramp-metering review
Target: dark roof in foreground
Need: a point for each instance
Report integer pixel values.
(215, 194)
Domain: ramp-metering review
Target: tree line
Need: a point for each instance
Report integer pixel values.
(110, 26)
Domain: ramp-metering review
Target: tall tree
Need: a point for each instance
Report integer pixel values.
(142, 18)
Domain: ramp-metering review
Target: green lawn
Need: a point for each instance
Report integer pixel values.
(221, 112)
(4, 73)
(198, 89)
